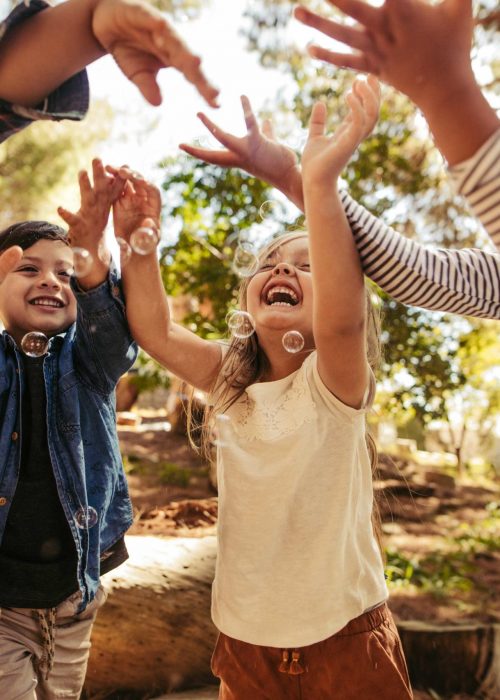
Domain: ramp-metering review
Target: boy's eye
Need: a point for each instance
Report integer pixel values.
(27, 268)
(66, 273)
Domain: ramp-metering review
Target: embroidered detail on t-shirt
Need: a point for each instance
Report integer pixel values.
(273, 419)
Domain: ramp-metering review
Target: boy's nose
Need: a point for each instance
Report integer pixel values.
(49, 279)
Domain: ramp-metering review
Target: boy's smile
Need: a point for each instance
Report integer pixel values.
(36, 295)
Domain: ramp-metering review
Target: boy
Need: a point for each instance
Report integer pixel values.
(64, 504)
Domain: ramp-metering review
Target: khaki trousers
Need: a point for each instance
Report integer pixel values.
(23, 653)
(364, 661)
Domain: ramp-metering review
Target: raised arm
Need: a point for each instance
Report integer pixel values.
(423, 50)
(43, 51)
(193, 359)
(339, 296)
(463, 281)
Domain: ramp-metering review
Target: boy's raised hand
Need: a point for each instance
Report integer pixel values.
(324, 157)
(142, 42)
(86, 228)
(8, 260)
(258, 153)
(420, 48)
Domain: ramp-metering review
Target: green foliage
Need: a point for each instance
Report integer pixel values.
(39, 165)
(148, 374)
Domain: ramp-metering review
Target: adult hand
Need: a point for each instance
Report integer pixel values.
(142, 42)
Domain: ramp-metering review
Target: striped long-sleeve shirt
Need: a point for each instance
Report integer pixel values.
(463, 281)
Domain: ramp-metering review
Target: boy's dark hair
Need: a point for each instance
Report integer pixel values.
(27, 233)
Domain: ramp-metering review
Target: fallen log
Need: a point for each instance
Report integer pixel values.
(448, 659)
(154, 633)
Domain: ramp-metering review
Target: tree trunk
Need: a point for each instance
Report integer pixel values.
(448, 659)
(154, 634)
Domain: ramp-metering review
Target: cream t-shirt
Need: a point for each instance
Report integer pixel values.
(297, 555)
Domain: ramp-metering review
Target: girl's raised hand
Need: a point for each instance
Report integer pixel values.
(324, 157)
(258, 152)
(139, 204)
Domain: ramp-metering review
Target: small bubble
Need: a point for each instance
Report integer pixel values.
(85, 518)
(143, 240)
(125, 251)
(293, 341)
(241, 324)
(245, 261)
(82, 262)
(35, 344)
(272, 210)
(103, 253)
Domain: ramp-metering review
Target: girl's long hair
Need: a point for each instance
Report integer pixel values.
(244, 363)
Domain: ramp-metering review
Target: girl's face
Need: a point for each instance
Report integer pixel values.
(279, 295)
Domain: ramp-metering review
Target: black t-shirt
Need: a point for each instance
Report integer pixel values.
(38, 557)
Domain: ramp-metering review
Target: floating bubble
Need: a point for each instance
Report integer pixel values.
(293, 341)
(125, 251)
(82, 262)
(103, 253)
(221, 430)
(85, 518)
(272, 210)
(143, 240)
(245, 261)
(35, 344)
(241, 324)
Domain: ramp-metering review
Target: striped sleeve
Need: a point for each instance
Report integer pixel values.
(463, 281)
(478, 179)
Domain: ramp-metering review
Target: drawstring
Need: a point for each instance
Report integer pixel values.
(47, 620)
(294, 669)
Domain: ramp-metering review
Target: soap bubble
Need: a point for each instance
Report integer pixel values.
(82, 261)
(143, 240)
(241, 324)
(103, 253)
(86, 518)
(35, 344)
(293, 341)
(125, 251)
(245, 262)
(271, 209)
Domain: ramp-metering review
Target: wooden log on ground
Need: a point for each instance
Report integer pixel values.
(154, 633)
(448, 659)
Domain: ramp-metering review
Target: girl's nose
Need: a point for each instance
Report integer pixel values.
(283, 268)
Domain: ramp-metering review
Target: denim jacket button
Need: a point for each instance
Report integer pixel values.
(14, 436)
(3, 500)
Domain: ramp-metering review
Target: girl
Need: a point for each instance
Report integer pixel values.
(299, 592)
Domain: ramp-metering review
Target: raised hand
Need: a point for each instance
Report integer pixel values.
(258, 153)
(142, 42)
(324, 157)
(8, 260)
(416, 46)
(139, 204)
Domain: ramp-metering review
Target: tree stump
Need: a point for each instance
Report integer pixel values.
(154, 634)
(462, 658)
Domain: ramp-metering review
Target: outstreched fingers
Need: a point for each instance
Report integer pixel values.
(359, 10)
(71, 219)
(355, 61)
(355, 37)
(225, 159)
(317, 122)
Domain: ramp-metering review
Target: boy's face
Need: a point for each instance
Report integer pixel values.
(36, 294)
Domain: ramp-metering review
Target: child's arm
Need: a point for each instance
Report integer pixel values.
(41, 52)
(423, 50)
(193, 359)
(439, 280)
(87, 227)
(339, 296)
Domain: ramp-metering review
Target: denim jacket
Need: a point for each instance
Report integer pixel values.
(81, 370)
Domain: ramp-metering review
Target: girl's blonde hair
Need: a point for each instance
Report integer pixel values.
(244, 363)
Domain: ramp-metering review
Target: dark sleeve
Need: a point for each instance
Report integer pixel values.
(69, 101)
(103, 348)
